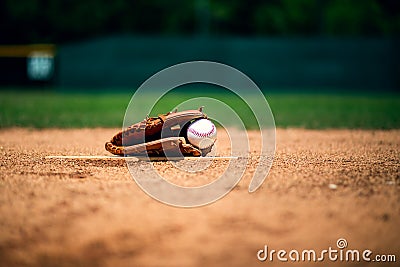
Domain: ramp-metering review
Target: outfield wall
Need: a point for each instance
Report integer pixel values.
(127, 61)
(27, 65)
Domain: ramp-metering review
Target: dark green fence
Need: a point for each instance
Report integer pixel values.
(127, 61)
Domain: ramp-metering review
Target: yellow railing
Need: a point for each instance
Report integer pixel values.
(26, 50)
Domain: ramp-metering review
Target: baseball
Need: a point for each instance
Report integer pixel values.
(202, 133)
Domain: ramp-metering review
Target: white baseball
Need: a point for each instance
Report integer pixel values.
(202, 133)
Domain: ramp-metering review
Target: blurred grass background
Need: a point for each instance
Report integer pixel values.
(307, 110)
(61, 61)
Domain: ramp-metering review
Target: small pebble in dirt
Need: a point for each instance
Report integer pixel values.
(332, 186)
(385, 217)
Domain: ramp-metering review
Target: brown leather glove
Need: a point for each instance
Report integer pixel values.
(158, 136)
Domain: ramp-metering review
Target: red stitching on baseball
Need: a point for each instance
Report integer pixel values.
(193, 131)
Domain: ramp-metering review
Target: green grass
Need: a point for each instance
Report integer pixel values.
(308, 110)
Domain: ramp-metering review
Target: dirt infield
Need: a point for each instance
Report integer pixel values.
(323, 185)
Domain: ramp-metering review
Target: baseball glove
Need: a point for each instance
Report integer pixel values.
(158, 136)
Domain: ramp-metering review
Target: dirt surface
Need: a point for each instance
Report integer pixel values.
(323, 185)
